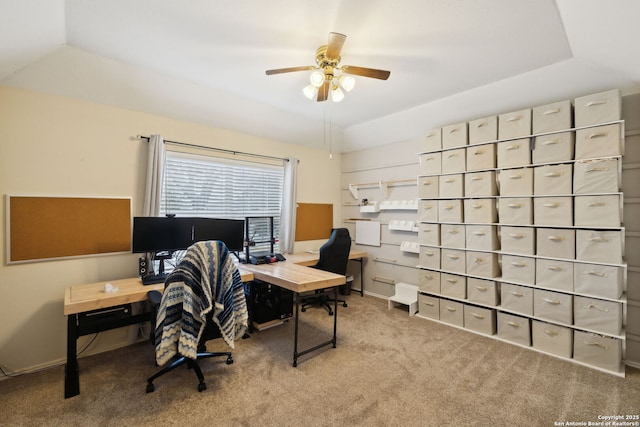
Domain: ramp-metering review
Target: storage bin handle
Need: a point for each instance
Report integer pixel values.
(478, 152)
(552, 142)
(476, 206)
(452, 155)
(479, 233)
(596, 102)
(477, 316)
(449, 207)
(552, 174)
(597, 307)
(426, 208)
(513, 118)
(477, 178)
(597, 273)
(482, 288)
(428, 277)
(597, 135)
(516, 235)
(449, 180)
(514, 324)
(427, 182)
(597, 169)
(515, 176)
(551, 333)
(378, 259)
(516, 294)
(518, 264)
(478, 260)
(551, 205)
(555, 268)
(513, 147)
(453, 256)
(515, 205)
(430, 304)
(429, 253)
(599, 239)
(452, 280)
(552, 301)
(552, 111)
(596, 343)
(453, 231)
(596, 204)
(452, 309)
(454, 130)
(556, 238)
(483, 124)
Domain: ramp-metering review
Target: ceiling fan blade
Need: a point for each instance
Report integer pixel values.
(366, 72)
(323, 91)
(334, 47)
(289, 70)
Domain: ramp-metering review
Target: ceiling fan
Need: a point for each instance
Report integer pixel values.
(323, 79)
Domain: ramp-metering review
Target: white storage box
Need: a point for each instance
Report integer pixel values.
(556, 243)
(598, 315)
(483, 264)
(515, 210)
(429, 281)
(552, 339)
(514, 153)
(429, 257)
(519, 269)
(554, 274)
(599, 246)
(516, 182)
(516, 298)
(599, 280)
(453, 286)
(452, 312)
(552, 117)
(453, 260)
(432, 140)
(482, 237)
(598, 211)
(553, 179)
(450, 210)
(515, 124)
(431, 163)
(483, 130)
(479, 184)
(454, 161)
(596, 176)
(481, 157)
(482, 291)
(557, 147)
(479, 319)
(553, 211)
(514, 328)
(600, 141)
(454, 135)
(452, 185)
(553, 306)
(429, 306)
(480, 211)
(452, 236)
(598, 108)
(429, 234)
(596, 350)
(428, 210)
(518, 240)
(428, 187)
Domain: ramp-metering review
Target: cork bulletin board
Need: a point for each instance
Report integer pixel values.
(41, 228)
(314, 221)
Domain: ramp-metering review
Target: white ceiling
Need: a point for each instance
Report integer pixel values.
(204, 60)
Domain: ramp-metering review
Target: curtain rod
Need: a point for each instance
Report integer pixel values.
(220, 150)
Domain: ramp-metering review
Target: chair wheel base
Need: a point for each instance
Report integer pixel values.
(202, 387)
(229, 360)
(150, 388)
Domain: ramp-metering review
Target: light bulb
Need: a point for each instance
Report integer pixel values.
(310, 91)
(336, 94)
(317, 78)
(347, 82)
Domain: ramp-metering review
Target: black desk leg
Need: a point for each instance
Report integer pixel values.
(335, 315)
(71, 371)
(295, 338)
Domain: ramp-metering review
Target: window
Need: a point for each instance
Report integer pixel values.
(196, 185)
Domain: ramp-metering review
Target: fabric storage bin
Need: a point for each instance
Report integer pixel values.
(451, 312)
(598, 108)
(600, 246)
(556, 243)
(429, 257)
(428, 187)
(454, 135)
(428, 210)
(598, 280)
(596, 350)
(452, 235)
(482, 291)
(479, 319)
(515, 210)
(553, 211)
(557, 147)
(429, 281)
(600, 141)
(516, 298)
(432, 140)
(482, 237)
(598, 315)
(553, 306)
(518, 240)
(453, 286)
(596, 176)
(454, 161)
(514, 153)
(598, 211)
(453, 260)
(483, 264)
(516, 182)
(429, 234)
(429, 306)
(481, 157)
(450, 210)
(519, 269)
(431, 163)
(554, 274)
(552, 339)
(515, 124)
(480, 211)
(451, 185)
(483, 130)
(553, 179)
(515, 329)
(551, 117)
(480, 184)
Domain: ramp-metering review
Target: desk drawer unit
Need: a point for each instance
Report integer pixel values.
(429, 306)
(556, 242)
(552, 117)
(428, 187)
(454, 286)
(455, 135)
(597, 108)
(432, 140)
(483, 264)
(598, 211)
(514, 153)
(454, 161)
(483, 130)
(431, 163)
(518, 240)
(482, 291)
(553, 306)
(554, 274)
(480, 184)
(453, 260)
(479, 319)
(597, 350)
(519, 269)
(480, 211)
(596, 176)
(557, 147)
(598, 280)
(598, 315)
(516, 298)
(596, 142)
(516, 182)
(552, 179)
(513, 328)
(452, 235)
(482, 237)
(429, 281)
(481, 157)
(429, 234)
(429, 257)
(515, 210)
(553, 211)
(515, 124)
(450, 210)
(599, 246)
(451, 185)
(452, 312)
(428, 210)
(552, 339)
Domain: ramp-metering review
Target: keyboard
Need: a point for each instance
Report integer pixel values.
(152, 279)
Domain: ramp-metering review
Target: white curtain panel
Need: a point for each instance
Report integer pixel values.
(289, 204)
(155, 175)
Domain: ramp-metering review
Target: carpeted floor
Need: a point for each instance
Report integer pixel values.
(389, 369)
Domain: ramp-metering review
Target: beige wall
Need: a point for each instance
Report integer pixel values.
(51, 145)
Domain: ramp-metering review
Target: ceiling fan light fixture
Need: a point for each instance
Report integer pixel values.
(337, 94)
(310, 91)
(347, 82)
(317, 78)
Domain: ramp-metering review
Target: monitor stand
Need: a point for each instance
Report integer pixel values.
(151, 279)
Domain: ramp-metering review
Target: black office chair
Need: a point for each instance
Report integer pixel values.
(334, 257)
(197, 270)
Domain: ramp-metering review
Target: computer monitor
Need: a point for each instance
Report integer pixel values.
(229, 231)
(159, 234)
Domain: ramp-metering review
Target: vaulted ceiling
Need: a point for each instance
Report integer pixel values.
(204, 61)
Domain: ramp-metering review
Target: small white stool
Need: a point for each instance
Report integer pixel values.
(406, 294)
